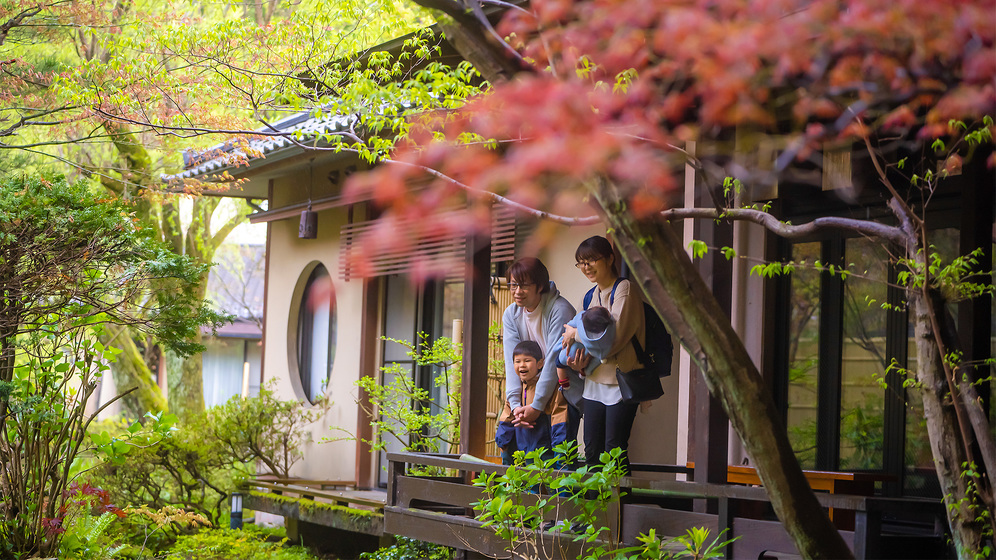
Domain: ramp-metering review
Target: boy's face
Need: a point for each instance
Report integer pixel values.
(527, 367)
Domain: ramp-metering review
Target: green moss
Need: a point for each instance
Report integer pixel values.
(311, 506)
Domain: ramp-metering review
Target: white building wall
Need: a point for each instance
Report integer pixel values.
(291, 260)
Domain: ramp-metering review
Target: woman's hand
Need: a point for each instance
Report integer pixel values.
(569, 334)
(578, 361)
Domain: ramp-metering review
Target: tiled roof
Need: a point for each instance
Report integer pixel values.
(301, 128)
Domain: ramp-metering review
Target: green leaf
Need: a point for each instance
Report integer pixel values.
(699, 248)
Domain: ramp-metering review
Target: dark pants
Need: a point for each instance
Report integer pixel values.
(606, 428)
(573, 422)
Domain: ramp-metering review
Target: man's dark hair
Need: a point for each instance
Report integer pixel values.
(596, 320)
(530, 270)
(528, 348)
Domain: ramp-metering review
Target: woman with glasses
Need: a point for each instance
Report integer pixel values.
(538, 313)
(608, 421)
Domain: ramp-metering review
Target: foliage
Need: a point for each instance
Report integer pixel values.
(697, 545)
(406, 412)
(202, 463)
(973, 503)
(263, 428)
(179, 68)
(73, 258)
(70, 266)
(531, 490)
(223, 544)
(189, 470)
(154, 523)
(410, 549)
(86, 517)
(517, 502)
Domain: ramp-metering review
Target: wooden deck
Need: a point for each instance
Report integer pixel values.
(439, 510)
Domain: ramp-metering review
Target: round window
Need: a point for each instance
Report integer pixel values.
(316, 333)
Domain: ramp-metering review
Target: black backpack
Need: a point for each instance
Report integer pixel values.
(660, 348)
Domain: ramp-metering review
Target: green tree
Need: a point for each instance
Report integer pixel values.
(70, 264)
(112, 89)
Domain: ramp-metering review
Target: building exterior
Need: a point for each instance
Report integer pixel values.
(822, 344)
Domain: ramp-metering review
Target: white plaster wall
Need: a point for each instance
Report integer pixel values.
(291, 260)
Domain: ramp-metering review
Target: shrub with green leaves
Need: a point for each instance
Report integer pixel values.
(205, 459)
(405, 412)
(410, 549)
(225, 544)
(533, 489)
(70, 263)
(264, 429)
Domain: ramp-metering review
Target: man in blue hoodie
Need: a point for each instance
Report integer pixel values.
(539, 313)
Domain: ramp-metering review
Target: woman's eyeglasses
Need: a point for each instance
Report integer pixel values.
(586, 264)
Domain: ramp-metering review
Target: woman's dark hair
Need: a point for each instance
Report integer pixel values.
(528, 348)
(594, 248)
(530, 270)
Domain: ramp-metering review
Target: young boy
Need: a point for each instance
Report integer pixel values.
(528, 362)
(596, 331)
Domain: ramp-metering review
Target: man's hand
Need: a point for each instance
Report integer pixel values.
(525, 416)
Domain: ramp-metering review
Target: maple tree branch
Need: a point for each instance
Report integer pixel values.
(883, 177)
(16, 21)
(787, 230)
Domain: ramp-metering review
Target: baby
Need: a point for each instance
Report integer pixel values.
(596, 330)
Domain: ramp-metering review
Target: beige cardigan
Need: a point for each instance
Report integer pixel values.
(627, 310)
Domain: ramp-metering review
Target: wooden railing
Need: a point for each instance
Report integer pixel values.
(440, 510)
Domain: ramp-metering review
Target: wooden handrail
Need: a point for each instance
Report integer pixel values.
(341, 497)
(303, 481)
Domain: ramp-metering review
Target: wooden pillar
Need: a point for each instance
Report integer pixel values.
(975, 315)
(828, 390)
(368, 367)
(711, 432)
(474, 385)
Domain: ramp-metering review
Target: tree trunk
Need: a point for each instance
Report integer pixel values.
(676, 290)
(132, 371)
(946, 442)
(186, 384)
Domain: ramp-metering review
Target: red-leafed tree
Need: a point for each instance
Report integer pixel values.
(598, 101)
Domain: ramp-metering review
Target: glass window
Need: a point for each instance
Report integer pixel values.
(804, 350)
(865, 357)
(316, 333)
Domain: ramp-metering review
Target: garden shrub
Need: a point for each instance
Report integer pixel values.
(226, 544)
(410, 549)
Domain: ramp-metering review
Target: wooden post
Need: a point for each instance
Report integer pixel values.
(474, 384)
(712, 426)
(365, 457)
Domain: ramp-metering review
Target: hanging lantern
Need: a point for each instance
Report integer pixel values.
(309, 225)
